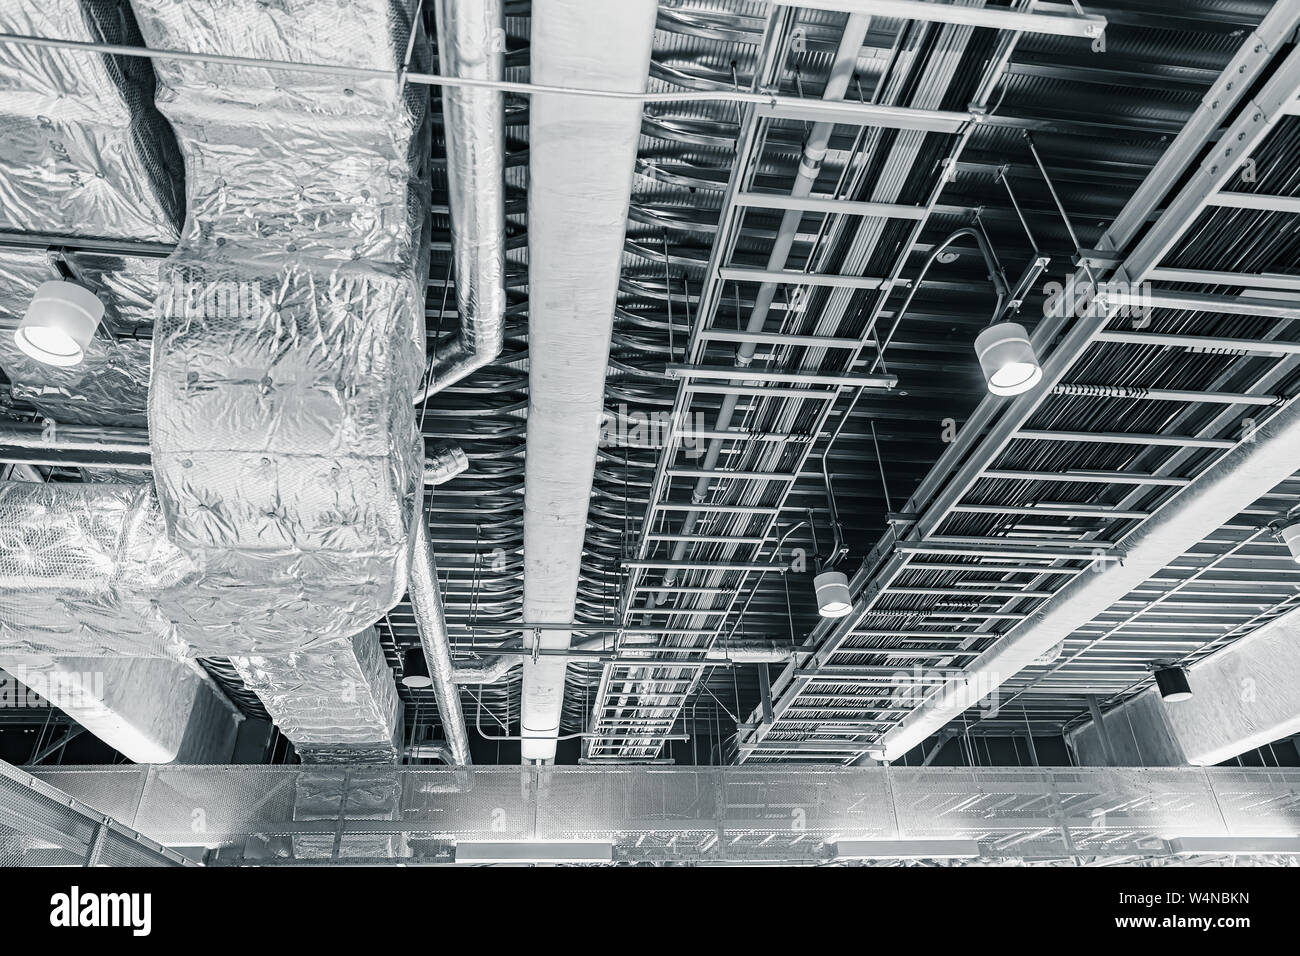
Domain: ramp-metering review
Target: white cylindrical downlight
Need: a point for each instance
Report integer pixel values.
(833, 597)
(1290, 536)
(59, 324)
(1007, 359)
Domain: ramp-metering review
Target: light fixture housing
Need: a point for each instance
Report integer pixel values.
(415, 669)
(59, 324)
(1173, 684)
(833, 597)
(1007, 359)
(1290, 536)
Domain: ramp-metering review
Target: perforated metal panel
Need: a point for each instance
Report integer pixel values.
(702, 815)
(42, 826)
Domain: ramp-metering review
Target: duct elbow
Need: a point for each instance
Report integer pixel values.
(444, 462)
(471, 43)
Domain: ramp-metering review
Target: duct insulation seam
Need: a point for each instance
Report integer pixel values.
(582, 155)
(289, 340)
(336, 703)
(1242, 476)
(471, 44)
(83, 151)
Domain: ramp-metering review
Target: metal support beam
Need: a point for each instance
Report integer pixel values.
(1094, 707)
(1207, 343)
(1090, 477)
(1261, 201)
(1126, 438)
(1057, 19)
(854, 114)
(764, 375)
(830, 206)
(794, 277)
(779, 339)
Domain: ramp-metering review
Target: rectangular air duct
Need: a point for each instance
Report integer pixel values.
(290, 335)
(86, 569)
(150, 711)
(83, 568)
(82, 149)
(336, 703)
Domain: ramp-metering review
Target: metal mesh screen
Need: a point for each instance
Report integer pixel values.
(320, 813)
(41, 826)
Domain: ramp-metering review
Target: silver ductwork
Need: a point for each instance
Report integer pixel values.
(582, 157)
(431, 619)
(471, 44)
(290, 338)
(83, 569)
(82, 149)
(443, 462)
(83, 152)
(87, 577)
(1245, 474)
(336, 703)
(150, 711)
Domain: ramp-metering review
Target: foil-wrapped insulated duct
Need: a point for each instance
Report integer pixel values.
(82, 149)
(443, 462)
(289, 339)
(82, 571)
(471, 44)
(150, 711)
(336, 703)
(88, 570)
(431, 620)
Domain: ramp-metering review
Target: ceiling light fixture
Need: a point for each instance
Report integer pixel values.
(1173, 684)
(59, 324)
(833, 597)
(415, 669)
(1290, 535)
(1007, 359)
